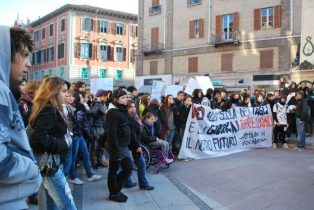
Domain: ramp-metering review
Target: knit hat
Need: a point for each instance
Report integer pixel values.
(100, 93)
(118, 93)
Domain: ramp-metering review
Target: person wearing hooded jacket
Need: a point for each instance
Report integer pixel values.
(119, 139)
(19, 174)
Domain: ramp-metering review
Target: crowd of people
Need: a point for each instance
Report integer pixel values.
(48, 126)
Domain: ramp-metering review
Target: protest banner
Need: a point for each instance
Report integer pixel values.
(213, 133)
(101, 83)
(157, 90)
(173, 90)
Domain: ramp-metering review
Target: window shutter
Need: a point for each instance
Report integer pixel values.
(155, 3)
(124, 54)
(257, 19)
(124, 29)
(112, 53)
(83, 24)
(201, 33)
(236, 21)
(113, 28)
(47, 53)
(193, 65)
(153, 67)
(191, 29)
(153, 38)
(98, 52)
(97, 26)
(109, 53)
(94, 49)
(277, 16)
(90, 50)
(266, 59)
(53, 53)
(218, 24)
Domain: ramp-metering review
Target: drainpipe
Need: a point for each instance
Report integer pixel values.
(291, 16)
(165, 21)
(209, 18)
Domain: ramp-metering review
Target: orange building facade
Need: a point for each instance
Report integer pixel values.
(81, 42)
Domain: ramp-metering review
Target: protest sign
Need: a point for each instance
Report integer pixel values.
(213, 133)
(156, 90)
(191, 86)
(101, 83)
(199, 82)
(173, 90)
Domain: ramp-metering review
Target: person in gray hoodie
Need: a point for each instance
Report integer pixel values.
(19, 174)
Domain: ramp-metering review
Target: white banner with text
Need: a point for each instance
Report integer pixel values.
(212, 132)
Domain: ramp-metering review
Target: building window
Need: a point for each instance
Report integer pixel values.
(43, 33)
(36, 76)
(193, 2)
(267, 18)
(50, 54)
(227, 26)
(102, 73)
(103, 26)
(85, 50)
(38, 56)
(36, 36)
(51, 30)
(155, 9)
(84, 73)
(119, 54)
(42, 74)
(61, 50)
(154, 38)
(61, 73)
(226, 62)
(43, 55)
(196, 29)
(103, 52)
(193, 65)
(50, 72)
(62, 25)
(119, 28)
(118, 75)
(86, 24)
(133, 55)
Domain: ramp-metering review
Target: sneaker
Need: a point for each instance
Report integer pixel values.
(285, 146)
(148, 188)
(119, 197)
(300, 149)
(168, 160)
(295, 148)
(94, 178)
(274, 145)
(76, 181)
(130, 185)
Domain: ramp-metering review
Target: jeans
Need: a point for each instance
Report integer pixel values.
(301, 133)
(117, 180)
(68, 162)
(58, 193)
(141, 173)
(79, 146)
(169, 136)
(161, 144)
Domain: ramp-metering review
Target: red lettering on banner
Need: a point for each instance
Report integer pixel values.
(254, 122)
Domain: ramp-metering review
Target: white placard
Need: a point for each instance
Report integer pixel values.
(156, 90)
(204, 83)
(173, 90)
(101, 83)
(191, 86)
(213, 133)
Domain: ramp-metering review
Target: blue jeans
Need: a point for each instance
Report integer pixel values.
(301, 132)
(141, 173)
(68, 162)
(58, 193)
(169, 137)
(79, 146)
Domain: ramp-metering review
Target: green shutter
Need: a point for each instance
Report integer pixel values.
(84, 73)
(118, 74)
(102, 73)
(62, 72)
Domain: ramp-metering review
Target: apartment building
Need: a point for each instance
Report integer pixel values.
(80, 42)
(237, 43)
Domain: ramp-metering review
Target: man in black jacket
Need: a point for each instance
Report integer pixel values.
(302, 114)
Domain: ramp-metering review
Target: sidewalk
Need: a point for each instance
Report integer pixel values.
(309, 141)
(166, 195)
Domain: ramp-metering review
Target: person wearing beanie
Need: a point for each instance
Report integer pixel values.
(135, 98)
(119, 139)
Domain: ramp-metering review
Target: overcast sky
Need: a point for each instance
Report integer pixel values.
(32, 9)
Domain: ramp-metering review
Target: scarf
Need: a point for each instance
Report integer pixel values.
(137, 118)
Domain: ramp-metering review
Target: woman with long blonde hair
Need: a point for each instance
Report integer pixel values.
(49, 138)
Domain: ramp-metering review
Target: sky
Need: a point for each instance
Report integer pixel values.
(32, 9)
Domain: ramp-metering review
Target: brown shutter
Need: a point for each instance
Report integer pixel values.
(92, 25)
(236, 21)
(155, 3)
(154, 37)
(83, 24)
(112, 53)
(113, 28)
(193, 64)
(226, 62)
(257, 19)
(201, 33)
(124, 54)
(191, 29)
(77, 50)
(124, 29)
(266, 59)
(109, 53)
(218, 27)
(90, 51)
(153, 67)
(97, 26)
(277, 16)
(98, 57)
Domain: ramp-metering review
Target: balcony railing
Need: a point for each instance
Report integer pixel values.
(225, 38)
(193, 2)
(153, 49)
(155, 10)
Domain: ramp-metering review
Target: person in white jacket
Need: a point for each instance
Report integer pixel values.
(19, 174)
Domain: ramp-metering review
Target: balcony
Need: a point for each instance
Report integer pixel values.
(193, 2)
(153, 49)
(222, 38)
(155, 10)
